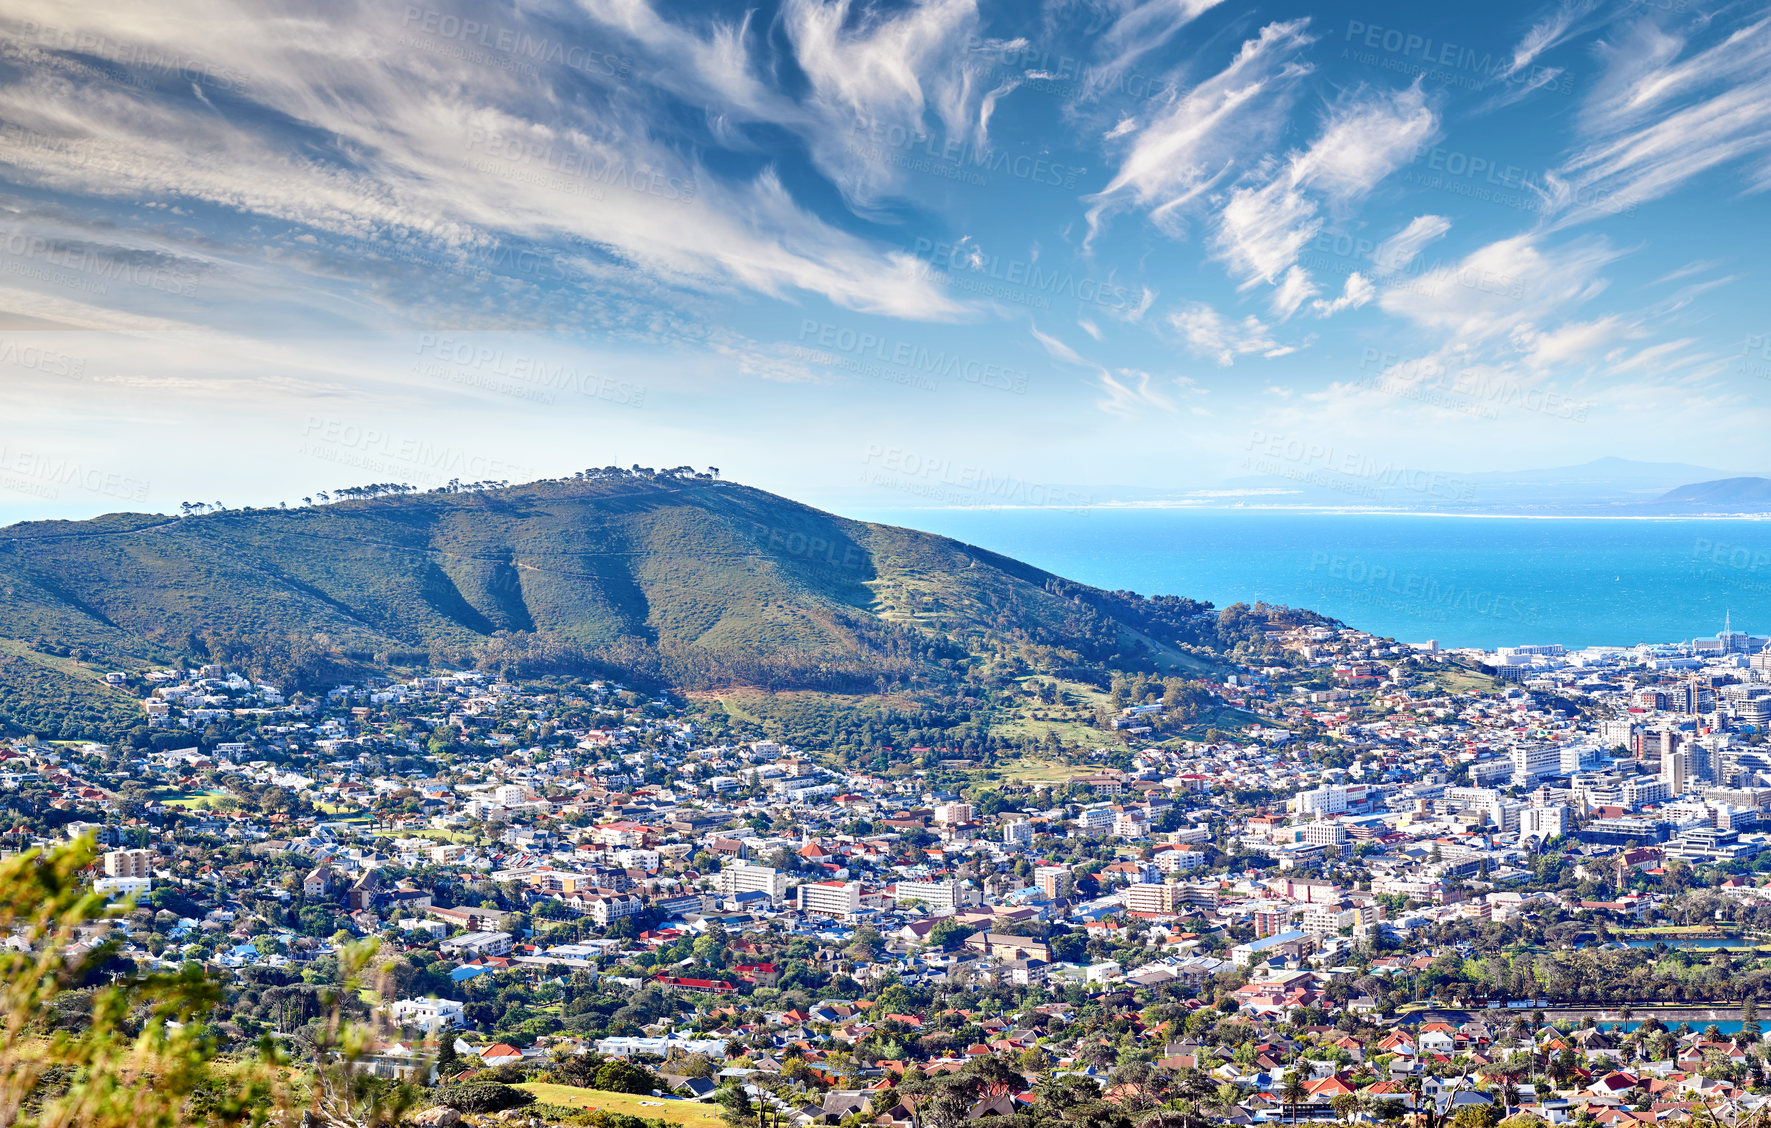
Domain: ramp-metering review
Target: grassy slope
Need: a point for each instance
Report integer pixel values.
(691, 1113)
(713, 569)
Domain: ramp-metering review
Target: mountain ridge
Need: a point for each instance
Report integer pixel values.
(686, 582)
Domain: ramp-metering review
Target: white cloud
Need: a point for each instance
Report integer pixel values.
(1209, 333)
(383, 150)
(1553, 29)
(1130, 392)
(1293, 291)
(1501, 287)
(1057, 349)
(1357, 292)
(1264, 226)
(1364, 139)
(1139, 27)
(1400, 249)
(1660, 116)
(1261, 231)
(877, 76)
(1183, 148)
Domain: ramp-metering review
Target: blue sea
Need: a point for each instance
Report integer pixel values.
(1462, 581)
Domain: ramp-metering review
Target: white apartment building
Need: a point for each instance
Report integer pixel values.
(1537, 823)
(613, 907)
(937, 896)
(1095, 820)
(742, 877)
(1017, 832)
(1326, 800)
(1179, 861)
(1534, 761)
(840, 899)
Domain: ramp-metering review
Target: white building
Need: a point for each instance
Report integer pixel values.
(429, 1015)
(743, 877)
(1017, 832)
(1532, 762)
(937, 896)
(1326, 800)
(840, 899)
(1537, 823)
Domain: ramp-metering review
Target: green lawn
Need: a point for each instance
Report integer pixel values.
(189, 798)
(691, 1113)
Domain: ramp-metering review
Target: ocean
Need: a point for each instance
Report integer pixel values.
(1462, 581)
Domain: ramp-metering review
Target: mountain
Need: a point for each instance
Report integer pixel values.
(685, 581)
(1338, 480)
(1724, 495)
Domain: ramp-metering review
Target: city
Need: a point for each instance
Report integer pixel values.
(1417, 879)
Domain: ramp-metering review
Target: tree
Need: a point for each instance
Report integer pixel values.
(736, 1107)
(1292, 1092)
(143, 1055)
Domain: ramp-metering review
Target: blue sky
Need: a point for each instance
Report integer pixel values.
(873, 256)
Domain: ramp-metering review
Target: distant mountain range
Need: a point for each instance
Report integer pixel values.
(1607, 486)
(1725, 495)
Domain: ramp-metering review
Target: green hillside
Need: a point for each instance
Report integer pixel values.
(684, 581)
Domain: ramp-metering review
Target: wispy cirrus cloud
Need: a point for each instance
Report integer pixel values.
(1661, 114)
(1174, 153)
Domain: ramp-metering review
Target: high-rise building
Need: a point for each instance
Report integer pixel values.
(1150, 899)
(1017, 832)
(1675, 770)
(129, 863)
(1543, 822)
(1055, 881)
(953, 814)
